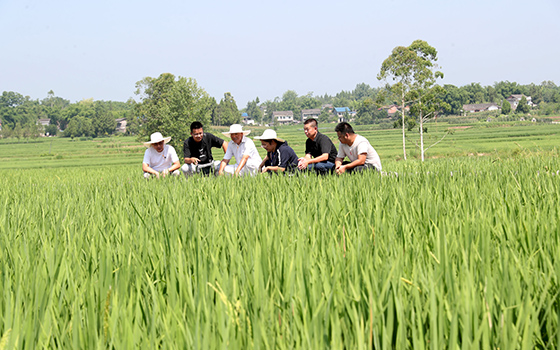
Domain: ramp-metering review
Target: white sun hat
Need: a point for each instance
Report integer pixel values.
(269, 134)
(155, 138)
(236, 129)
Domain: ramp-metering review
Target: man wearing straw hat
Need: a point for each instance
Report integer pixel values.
(160, 158)
(247, 158)
(279, 157)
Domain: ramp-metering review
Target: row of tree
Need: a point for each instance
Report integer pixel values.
(170, 103)
(83, 118)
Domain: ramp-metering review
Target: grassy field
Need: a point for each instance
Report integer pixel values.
(497, 139)
(459, 252)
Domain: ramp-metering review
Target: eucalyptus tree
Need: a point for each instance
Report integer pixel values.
(411, 72)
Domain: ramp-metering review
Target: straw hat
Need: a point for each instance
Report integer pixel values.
(269, 134)
(155, 138)
(236, 129)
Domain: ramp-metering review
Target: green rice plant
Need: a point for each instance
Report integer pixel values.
(452, 253)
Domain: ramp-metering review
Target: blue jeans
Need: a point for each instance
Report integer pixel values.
(321, 168)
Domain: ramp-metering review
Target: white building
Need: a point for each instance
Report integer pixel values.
(283, 117)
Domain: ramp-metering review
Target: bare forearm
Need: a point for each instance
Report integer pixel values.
(147, 169)
(322, 158)
(241, 164)
(191, 160)
(223, 164)
(175, 166)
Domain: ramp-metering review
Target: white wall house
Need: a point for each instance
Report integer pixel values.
(283, 117)
(310, 113)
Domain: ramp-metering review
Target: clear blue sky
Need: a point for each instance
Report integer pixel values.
(100, 49)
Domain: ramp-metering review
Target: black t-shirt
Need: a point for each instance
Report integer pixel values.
(203, 149)
(284, 157)
(322, 144)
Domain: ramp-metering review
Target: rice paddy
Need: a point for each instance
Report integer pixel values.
(455, 253)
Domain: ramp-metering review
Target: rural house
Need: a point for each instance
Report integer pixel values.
(480, 107)
(310, 113)
(121, 125)
(283, 117)
(247, 120)
(341, 112)
(392, 110)
(44, 122)
(514, 100)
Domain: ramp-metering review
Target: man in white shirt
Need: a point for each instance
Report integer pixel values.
(357, 148)
(247, 158)
(160, 158)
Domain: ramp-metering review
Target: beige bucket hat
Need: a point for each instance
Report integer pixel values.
(155, 138)
(269, 134)
(236, 129)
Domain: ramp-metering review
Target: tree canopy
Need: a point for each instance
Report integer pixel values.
(169, 105)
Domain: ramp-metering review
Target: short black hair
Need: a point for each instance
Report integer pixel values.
(196, 125)
(344, 128)
(311, 120)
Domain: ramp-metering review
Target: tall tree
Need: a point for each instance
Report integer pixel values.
(411, 69)
(103, 122)
(253, 110)
(522, 106)
(169, 105)
(506, 107)
(227, 112)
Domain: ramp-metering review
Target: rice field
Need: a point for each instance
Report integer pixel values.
(455, 253)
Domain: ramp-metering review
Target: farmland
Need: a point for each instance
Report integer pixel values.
(461, 251)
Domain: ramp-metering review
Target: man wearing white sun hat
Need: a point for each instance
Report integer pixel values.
(160, 158)
(247, 158)
(279, 156)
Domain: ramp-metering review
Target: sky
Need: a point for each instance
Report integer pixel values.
(258, 48)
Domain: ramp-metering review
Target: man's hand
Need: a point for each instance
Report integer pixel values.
(341, 169)
(264, 169)
(164, 172)
(303, 163)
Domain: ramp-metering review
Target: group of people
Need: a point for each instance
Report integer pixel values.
(321, 155)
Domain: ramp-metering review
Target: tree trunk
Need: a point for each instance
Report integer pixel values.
(403, 134)
(421, 134)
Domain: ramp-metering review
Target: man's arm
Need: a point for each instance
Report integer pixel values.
(223, 164)
(192, 160)
(262, 163)
(176, 165)
(147, 169)
(241, 164)
(338, 162)
(305, 161)
(273, 168)
(224, 146)
(360, 161)
(323, 157)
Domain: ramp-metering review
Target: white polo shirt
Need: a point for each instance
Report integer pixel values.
(246, 147)
(160, 161)
(361, 145)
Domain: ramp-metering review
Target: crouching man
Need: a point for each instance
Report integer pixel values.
(279, 156)
(160, 159)
(197, 151)
(247, 157)
(357, 148)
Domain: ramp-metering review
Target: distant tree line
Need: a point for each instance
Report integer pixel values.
(171, 103)
(364, 100)
(20, 116)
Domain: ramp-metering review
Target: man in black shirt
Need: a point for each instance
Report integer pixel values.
(197, 151)
(320, 151)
